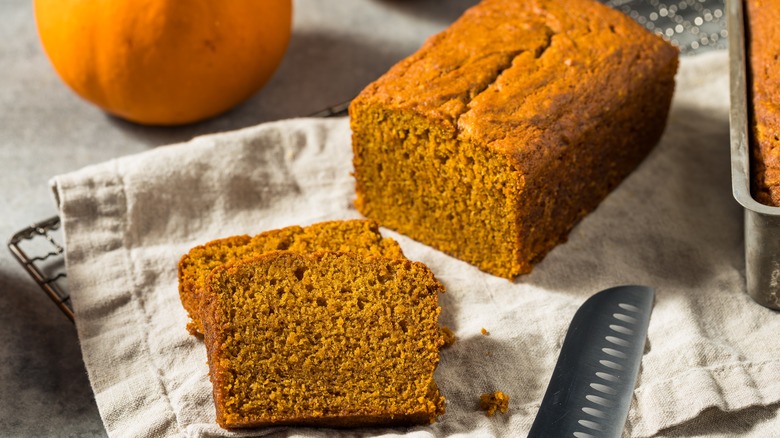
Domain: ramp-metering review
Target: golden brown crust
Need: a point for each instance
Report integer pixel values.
(197, 261)
(361, 236)
(324, 338)
(763, 49)
(494, 139)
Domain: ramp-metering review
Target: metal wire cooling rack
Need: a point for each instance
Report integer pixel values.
(37, 249)
(692, 25)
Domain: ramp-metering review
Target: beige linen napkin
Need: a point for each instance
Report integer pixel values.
(713, 363)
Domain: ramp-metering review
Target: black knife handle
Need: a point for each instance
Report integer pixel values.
(593, 381)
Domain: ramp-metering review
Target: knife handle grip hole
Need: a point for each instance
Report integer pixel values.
(629, 307)
(603, 388)
(608, 377)
(621, 329)
(625, 318)
(618, 341)
(594, 412)
(615, 353)
(591, 425)
(600, 401)
(610, 364)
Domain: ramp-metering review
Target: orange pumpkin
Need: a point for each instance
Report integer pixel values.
(164, 62)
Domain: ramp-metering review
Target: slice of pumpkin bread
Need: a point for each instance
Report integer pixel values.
(361, 236)
(327, 339)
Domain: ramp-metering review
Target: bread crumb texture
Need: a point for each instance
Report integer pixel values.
(359, 236)
(325, 338)
(494, 401)
(494, 139)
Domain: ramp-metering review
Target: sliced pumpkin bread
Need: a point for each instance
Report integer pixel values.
(325, 338)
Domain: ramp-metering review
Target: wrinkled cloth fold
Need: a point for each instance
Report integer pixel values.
(711, 368)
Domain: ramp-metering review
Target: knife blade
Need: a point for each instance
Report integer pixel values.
(590, 390)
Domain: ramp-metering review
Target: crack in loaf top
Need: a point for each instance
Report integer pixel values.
(514, 75)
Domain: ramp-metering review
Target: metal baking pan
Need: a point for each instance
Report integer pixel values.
(762, 222)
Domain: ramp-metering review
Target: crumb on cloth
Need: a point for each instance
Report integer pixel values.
(494, 401)
(449, 336)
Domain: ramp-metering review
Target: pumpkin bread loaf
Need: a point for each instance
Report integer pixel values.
(326, 338)
(762, 18)
(503, 131)
(361, 236)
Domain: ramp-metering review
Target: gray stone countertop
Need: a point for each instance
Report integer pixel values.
(336, 49)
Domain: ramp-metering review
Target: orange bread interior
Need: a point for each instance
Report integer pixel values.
(360, 236)
(324, 338)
